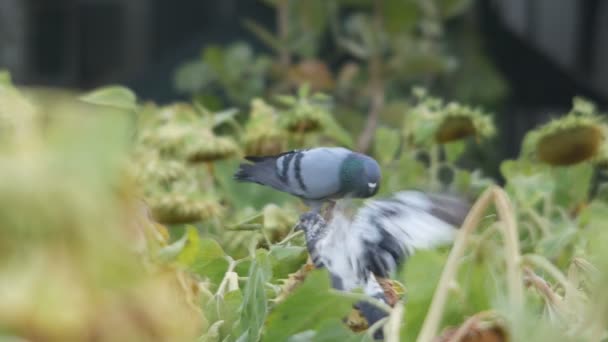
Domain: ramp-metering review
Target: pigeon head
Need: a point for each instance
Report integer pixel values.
(359, 176)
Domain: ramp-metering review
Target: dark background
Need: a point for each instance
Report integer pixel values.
(547, 50)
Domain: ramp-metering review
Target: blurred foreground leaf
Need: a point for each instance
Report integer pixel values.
(309, 307)
(114, 96)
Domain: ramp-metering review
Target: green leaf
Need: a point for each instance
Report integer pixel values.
(462, 180)
(224, 116)
(170, 252)
(224, 308)
(312, 15)
(333, 130)
(243, 266)
(286, 100)
(193, 76)
(424, 134)
(454, 150)
(407, 173)
(199, 250)
(287, 260)
(257, 219)
(304, 91)
(400, 15)
(5, 77)
(572, 184)
(212, 270)
(421, 275)
(386, 144)
(335, 330)
(309, 307)
(452, 8)
(214, 57)
(113, 96)
(254, 307)
(263, 34)
(564, 234)
(204, 257)
(213, 333)
(528, 182)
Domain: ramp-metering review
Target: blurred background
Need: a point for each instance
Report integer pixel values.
(122, 123)
(521, 59)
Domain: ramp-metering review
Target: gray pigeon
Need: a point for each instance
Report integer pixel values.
(380, 237)
(315, 175)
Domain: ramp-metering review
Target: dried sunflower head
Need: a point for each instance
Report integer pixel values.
(433, 121)
(204, 146)
(305, 113)
(574, 138)
(150, 169)
(193, 141)
(172, 190)
(461, 121)
(177, 208)
(263, 136)
(311, 71)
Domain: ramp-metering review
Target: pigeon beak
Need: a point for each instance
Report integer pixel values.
(373, 188)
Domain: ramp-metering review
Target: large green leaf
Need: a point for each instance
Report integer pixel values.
(204, 257)
(225, 308)
(199, 250)
(454, 150)
(527, 182)
(309, 307)
(170, 252)
(421, 275)
(572, 184)
(287, 260)
(335, 330)
(255, 306)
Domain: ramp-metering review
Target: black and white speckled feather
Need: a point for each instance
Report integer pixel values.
(380, 237)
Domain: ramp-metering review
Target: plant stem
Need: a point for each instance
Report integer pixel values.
(283, 32)
(547, 266)
(434, 166)
(433, 318)
(393, 326)
(541, 222)
(227, 275)
(513, 258)
(513, 254)
(290, 237)
(376, 85)
(471, 322)
(362, 297)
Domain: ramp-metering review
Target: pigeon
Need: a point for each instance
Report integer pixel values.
(316, 175)
(379, 238)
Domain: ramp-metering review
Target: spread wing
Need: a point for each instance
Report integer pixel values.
(382, 235)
